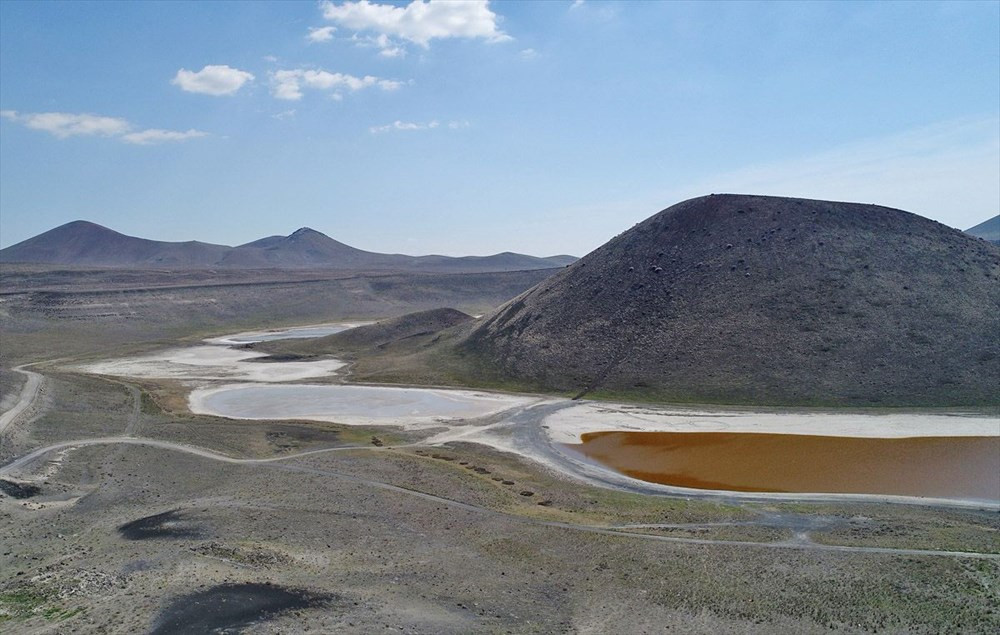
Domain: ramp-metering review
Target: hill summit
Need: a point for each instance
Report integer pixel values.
(754, 299)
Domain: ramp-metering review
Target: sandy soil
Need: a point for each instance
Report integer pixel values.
(569, 424)
(212, 363)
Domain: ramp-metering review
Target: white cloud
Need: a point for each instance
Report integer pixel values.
(321, 34)
(528, 54)
(64, 124)
(157, 135)
(601, 11)
(404, 125)
(420, 21)
(214, 80)
(386, 45)
(283, 115)
(413, 125)
(288, 84)
(389, 85)
(392, 51)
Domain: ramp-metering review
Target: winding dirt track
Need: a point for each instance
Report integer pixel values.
(280, 462)
(28, 394)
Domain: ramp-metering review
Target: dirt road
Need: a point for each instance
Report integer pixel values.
(28, 394)
(282, 462)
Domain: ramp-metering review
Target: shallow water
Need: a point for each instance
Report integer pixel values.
(347, 404)
(938, 467)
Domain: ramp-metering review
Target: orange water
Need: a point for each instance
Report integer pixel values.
(939, 467)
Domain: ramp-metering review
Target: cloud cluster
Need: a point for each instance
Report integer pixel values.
(64, 124)
(418, 22)
(386, 27)
(288, 84)
(216, 80)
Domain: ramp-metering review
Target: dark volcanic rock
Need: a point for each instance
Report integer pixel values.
(19, 490)
(752, 299)
(231, 608)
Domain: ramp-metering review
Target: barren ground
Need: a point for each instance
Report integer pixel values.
(375, 534)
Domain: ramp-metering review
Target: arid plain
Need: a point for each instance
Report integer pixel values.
(454, 504)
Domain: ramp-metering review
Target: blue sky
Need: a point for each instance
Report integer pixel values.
(472, 128)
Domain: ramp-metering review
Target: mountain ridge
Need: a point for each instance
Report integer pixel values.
(85, 243)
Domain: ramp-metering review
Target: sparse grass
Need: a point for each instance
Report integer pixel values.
(739, 533)
(25, 603)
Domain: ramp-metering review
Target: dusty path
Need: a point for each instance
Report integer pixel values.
(28, 394)
(132, 427)
(801, 542)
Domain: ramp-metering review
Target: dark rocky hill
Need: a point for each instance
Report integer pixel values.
(753, 299)
(987, 230)
(86, 244)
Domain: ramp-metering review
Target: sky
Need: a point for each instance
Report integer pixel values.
(478, 127)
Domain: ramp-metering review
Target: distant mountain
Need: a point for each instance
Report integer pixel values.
(88, 244)
(987, 230)
(304, 248)
(85, 243)
(755, 299)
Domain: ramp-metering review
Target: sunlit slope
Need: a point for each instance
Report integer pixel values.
(987, 230)
(753, 299)
(88, 244)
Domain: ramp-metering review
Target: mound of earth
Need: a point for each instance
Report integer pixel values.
(753, 299)
(373, 336)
